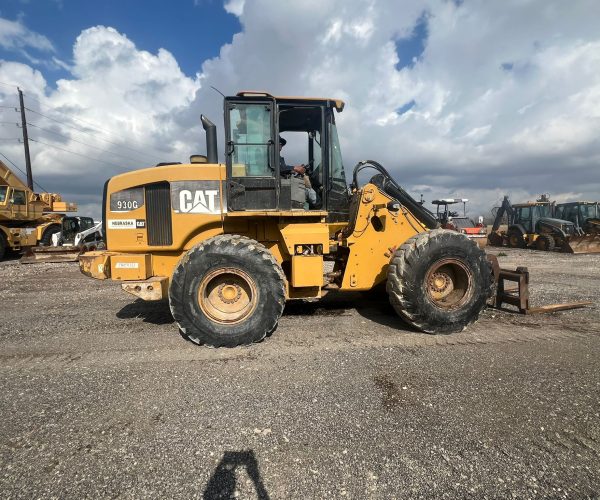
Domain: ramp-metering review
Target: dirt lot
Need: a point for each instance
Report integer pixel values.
(100, 397)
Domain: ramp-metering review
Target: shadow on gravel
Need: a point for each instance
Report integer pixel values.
(222, 484)
(374, 307)
(157, 313)
(334, 304)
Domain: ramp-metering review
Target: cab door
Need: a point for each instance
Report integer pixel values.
(18, 201)
(524, 217)
(252, 171)
(337, 198)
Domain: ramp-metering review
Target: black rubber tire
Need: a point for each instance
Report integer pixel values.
(47, 235)
(407, 287)
(515, 238)
(232, 252)
(545, 243)
(3, 246)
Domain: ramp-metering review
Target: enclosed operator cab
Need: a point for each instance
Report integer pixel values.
(256, 128)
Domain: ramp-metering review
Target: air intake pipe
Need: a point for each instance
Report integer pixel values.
(211, 139)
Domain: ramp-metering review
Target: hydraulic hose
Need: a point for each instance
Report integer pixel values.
(389, 186)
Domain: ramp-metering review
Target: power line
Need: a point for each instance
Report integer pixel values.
(87, 132)
(14, 165)
(74, 153)
(93, 126)
(81, 142)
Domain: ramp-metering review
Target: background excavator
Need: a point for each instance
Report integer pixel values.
(536, 224)
(27, 218)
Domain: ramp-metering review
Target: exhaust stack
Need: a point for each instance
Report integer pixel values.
(211, 139)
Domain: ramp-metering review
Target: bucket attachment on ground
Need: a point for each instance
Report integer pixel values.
(51, 254)
(583, 244)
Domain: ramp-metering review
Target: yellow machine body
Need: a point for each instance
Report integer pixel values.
(299, 240)
(26, 215)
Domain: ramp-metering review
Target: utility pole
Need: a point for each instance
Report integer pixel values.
(25, 141)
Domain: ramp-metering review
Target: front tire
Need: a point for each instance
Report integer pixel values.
(545, 243)
(439, 281)
(3, 245)
(227, 291)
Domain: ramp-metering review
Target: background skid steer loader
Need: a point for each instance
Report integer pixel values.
(77, 235)
(228, 244)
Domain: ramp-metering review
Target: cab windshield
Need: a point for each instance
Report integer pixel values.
(588, 211)
(3, 190)
(544, 211)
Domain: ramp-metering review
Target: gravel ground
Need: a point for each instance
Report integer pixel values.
(101, 397)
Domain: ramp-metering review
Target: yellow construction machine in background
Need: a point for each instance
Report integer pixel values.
(27, 218)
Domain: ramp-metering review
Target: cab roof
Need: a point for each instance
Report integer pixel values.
(338, 104)
(580, 202)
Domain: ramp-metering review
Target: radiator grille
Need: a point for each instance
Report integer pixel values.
(158, 214)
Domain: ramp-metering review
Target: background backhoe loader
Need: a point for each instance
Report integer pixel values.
(534, 224)
(228, 244)
(586, 217)
(27, 218)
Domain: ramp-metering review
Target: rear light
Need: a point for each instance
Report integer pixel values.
(463, 231)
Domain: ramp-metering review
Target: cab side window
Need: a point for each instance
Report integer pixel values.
(18, 198)
(250, 132)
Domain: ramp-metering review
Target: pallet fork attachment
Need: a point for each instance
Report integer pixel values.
(518, 295)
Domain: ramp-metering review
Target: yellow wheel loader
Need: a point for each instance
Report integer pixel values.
(27, 218)
(229, 243)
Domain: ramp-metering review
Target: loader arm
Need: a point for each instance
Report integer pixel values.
(505, 208)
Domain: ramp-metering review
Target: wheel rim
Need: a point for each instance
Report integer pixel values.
(513, 240)
(449, 284)
(227, 296)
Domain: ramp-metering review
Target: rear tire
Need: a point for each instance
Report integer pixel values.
(515, 238)
(47, 235)
(227, 291)
(439, 281)
(545, 243)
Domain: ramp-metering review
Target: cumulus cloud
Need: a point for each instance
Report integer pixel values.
(117, 112)
(502, 97)
(235, 7)
(14, 35)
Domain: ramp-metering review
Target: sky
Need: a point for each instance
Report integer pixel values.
(467, 99)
